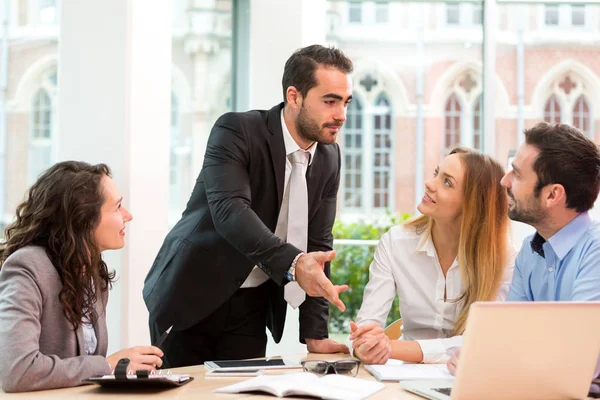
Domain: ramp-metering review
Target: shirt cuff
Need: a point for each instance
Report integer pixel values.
(434, 351)
(349, 343)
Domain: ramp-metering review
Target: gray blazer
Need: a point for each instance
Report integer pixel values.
(38, 348)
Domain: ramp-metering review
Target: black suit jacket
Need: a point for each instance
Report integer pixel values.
(228, 224)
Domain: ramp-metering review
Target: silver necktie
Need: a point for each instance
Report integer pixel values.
(297, 221)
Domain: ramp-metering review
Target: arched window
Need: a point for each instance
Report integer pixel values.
(581, 115)
(352, 187)
(552, 110)
(382, 152)
(477, 124)
(40, 138)
(452, 116)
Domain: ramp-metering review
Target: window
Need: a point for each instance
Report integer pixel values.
(355, 12)
(578, 15)
(353, 156)
(367, 157)
(477, 124)
(40, 144)
(382, 153)
(477, 14)
(552, 110)
(581, 115)
(382, 12)
(551, 15)
(451, 123)
(47, 11)
(452, 13)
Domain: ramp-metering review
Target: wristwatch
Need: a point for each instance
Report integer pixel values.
(290, 274)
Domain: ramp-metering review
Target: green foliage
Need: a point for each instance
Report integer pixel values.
(351, 267)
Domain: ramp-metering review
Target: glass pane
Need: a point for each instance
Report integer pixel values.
(551, 15)
(195, 110)
(355, 12)
(551, 67)
(432, 50)
(381, 12)
(347, 140)
(578, 15)
(452, 14)
(477, 14)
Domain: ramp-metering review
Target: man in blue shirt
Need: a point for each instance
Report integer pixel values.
(554, 181)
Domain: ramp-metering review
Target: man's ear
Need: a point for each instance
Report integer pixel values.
(294, 97)
(554, 195)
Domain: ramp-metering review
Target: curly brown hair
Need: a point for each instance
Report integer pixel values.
(60, 213)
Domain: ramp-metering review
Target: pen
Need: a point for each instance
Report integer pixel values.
(162, 337)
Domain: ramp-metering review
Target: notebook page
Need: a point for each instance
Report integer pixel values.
(345, 387)
(277, 385)
(400, 372)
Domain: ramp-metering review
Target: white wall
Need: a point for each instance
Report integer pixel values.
(114, 104)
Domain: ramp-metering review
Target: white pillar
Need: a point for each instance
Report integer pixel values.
(114, 103)
(272, 42)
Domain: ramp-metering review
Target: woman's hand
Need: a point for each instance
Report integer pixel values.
(370, 343)
(140, 357)
(453, 362)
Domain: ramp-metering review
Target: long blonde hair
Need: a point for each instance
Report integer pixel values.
(483, 242)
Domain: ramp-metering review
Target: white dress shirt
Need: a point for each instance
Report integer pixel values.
(257, 276)
(90, 341)
(417, 277)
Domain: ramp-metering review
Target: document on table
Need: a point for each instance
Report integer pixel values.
(396, 370)
(331, 387)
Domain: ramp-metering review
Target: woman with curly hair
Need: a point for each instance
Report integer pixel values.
(54, 284)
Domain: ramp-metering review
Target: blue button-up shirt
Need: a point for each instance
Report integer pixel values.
(564, 268)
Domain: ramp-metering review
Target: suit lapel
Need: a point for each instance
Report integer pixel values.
(313, 179)
(277, 148)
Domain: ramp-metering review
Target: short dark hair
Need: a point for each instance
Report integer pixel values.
(567, 157)
(299, 70)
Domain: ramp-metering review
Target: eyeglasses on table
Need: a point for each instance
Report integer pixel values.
(341, 367)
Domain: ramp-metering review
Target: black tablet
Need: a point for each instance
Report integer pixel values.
(269, 363)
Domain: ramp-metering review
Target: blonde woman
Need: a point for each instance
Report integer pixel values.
(439, 263)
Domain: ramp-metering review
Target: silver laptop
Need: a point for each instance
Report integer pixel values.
(523, 350)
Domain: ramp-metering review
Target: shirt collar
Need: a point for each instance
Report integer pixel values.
(290, 144)
(566, 238)
(426, 244)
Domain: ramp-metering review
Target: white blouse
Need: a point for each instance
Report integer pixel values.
(417, 277)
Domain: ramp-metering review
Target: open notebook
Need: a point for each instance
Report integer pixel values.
(395, 370)
(331, 387)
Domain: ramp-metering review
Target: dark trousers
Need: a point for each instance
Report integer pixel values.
(234, 331)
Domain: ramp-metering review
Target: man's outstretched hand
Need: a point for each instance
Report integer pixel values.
(311, 277)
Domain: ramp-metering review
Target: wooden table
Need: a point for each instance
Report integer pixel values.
(200, 387)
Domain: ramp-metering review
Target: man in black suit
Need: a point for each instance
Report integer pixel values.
(219, 277)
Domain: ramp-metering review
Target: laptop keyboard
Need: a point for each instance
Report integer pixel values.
(445, 391)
